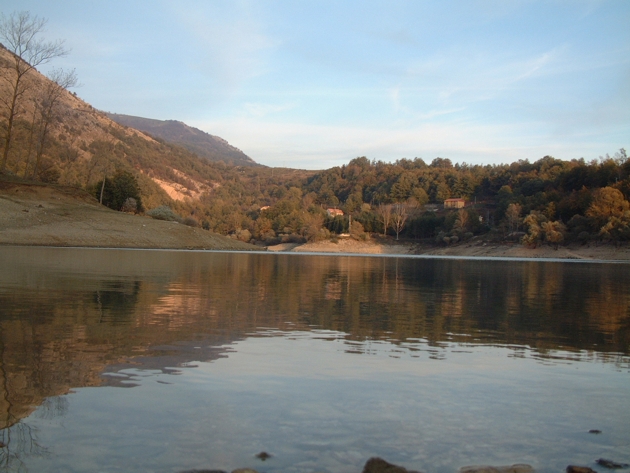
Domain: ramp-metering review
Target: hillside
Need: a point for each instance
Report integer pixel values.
(45, 215)
(83, 144)
(199, 142)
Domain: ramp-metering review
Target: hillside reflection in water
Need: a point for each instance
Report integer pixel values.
(72, 318)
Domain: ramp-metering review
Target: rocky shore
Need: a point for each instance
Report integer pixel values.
(378, 465)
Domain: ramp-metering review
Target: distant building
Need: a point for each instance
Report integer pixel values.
(454, 203)
(334, 212)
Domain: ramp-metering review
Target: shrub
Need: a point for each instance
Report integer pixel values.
(244, 235)
(130, 205)
(357, 232)
(584, 237)
(163, 212)
(190, 221)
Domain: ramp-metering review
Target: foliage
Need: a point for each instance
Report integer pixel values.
(118, 189)
(163, 212)
(130, 205)
(357, 232)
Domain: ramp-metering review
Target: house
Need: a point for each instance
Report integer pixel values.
(334, 212)
(454, 203)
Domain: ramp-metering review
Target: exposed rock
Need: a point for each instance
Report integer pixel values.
(378, 465)
(611, 464)
(518, 468)
(263, 456)
(579, 469)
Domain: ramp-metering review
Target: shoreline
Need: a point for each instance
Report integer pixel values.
(48, 216)
(476, 248)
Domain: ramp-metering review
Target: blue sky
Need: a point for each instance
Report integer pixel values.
(313, 84)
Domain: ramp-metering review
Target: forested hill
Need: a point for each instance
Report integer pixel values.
(199, 142)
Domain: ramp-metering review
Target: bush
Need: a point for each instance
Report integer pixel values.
(130, 206)
(163, 212)
(244, 235)
(584, 237)
(357, 232)
(191, 222)
(118, 189)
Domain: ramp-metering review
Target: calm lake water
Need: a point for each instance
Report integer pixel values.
(163, 361)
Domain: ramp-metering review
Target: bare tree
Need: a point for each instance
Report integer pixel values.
(20, 35)
(385, 212)
(513, 216)
(59, 82)
(461, 222)
(101, 163)
(399, 218)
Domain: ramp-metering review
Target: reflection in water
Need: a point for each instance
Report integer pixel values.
(67, 316)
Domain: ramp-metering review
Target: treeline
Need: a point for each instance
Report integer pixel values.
(549, 200)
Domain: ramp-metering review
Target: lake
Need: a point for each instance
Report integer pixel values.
(164, 361)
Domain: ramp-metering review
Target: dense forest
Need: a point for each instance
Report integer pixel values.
(51, 135)
(549, 200)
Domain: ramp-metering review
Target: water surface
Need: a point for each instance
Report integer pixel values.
(161, 361)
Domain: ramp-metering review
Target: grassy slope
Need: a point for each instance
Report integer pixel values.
(37, 214)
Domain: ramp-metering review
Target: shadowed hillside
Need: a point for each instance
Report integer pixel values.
(199, 142)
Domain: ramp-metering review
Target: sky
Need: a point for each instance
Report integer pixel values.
(314, 84)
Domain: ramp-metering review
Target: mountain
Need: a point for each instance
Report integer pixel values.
(199, 142)
(79, 145)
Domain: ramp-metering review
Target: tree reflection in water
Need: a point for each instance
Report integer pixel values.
(67, 316)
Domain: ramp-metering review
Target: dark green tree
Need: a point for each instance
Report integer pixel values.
(117, 189)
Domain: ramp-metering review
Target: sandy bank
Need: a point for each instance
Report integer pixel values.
(477, 248)
(32, 214)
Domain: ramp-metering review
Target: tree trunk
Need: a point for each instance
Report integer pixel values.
(8, 134)
(102, 189)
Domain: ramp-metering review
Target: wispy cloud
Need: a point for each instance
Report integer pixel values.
(230, 39)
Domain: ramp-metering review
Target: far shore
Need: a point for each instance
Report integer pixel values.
(39, 215)
(474, 248)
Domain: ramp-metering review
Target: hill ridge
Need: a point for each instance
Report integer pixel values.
(205, 145)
